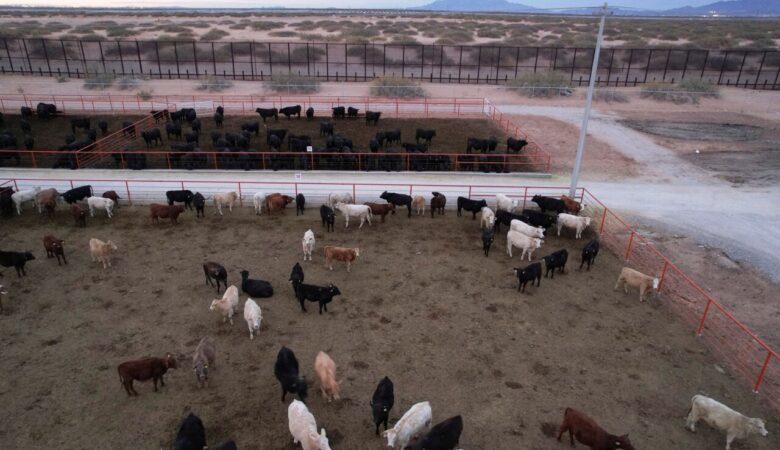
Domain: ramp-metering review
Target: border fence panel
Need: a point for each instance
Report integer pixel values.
(747, 68)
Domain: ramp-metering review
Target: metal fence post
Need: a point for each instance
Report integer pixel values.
(663, 274)
(603, 219)
(763, 371)
(630, 241)
(127, 189)
(700, 328)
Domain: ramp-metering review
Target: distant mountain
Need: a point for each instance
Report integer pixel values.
(731, 8)
(475, 6)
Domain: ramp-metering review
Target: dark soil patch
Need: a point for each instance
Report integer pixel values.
(757, 167)
(700, 131)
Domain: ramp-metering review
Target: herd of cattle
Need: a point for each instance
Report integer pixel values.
(527, 229)
(235, 149)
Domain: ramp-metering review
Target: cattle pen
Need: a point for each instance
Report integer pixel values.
(755, 362)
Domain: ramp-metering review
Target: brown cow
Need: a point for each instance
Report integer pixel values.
(165, 211)
(79, 215)
(589, 433)
(274, 202)
(570, 205)
(438, 202)
(47, 199)
(113, 196)
(380, 209)
(347, 255)
(144, 369)
(54, 248)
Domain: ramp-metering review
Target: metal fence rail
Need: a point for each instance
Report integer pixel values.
(750, 68)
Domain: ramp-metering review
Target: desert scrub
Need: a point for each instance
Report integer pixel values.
(293, 84)
(609, 96)
(396, 87)
(128, 83)
(214, 84)
(283, 33)
(214, 34)
(265, 25)
(689, 91)
(144, 94)
(542, 84)
(99, 81)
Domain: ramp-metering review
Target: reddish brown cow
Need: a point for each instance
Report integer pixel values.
(589, 433)
(79, 215)
(165, 211)
(144, 369)
(347, 255)
(113, 196)
(380, 209)
(275, 202)
(54, 248)
(438, 202)
(570, 205)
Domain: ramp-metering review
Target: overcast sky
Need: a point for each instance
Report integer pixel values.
(656, 4)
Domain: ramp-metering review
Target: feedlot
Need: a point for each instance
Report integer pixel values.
(422, 305)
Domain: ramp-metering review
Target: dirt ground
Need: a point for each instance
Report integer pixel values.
(422, 305)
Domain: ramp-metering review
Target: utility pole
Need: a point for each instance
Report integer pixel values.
(575, 173)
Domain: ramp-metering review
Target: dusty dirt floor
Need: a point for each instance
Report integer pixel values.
(422, 305)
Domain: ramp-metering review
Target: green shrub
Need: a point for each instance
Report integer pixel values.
(609, 96)
(144, 94)
(283, 33)
(214, 34)
(127, 83)
(396, 87)
(99, 81)
(542, 84)
(214, 84)
(265, 25)
(293, 84)
(62, 79)
(689, 91)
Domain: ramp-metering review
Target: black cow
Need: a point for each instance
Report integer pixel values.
(215, 272)
(181, 196)
(192, 138)
(251, 127)
(220, 110)
(296, 275)
(506, 217)
(219, 119)
(173, 128)
(382, 402)
(255, 288)
(17, 260)
(291, 111)
(398, 200)
(92, 134)
(328, 218)
(81, 122)
(229, 445)
(443, 436)
(158, 115)
(537, 219)
(372, 116)
(352, 113)
(46, 110)
(515, 145)
(200, 204)
(29, 142)
(152, 136)
(319, 294)
(549, 203)
(425, 135)
(25, 126)
(188, 114)
(309, 113)
(326, 128)
(415, 148)
(128, 129)
(6, 202)
(26, 111)
(196, 126)
(555, 260)
(76, 194)
(339, 112)
(268, 112)
(488, 236)
(530, 273)
(483, 145)
(191, 434)
(286, 371)
(215, 136)
(472, 206)
(69, 139)
(391, 136)
(373, 145)
(103, 126)
(300, 204)
(279, 133)
(589, 253)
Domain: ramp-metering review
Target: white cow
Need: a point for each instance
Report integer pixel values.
(228, 305)
(576, 222)
(505, 203)
(362, 211)
(487, 218)
(303, 428)
(253, 315)
(24, 196)
(259, 200)
(100, 203)
(634, 278)
(342, 197)
(720, 416)
(519, 240)
(226, 198)
(308, 244)
(413, 422)
(528, 230)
